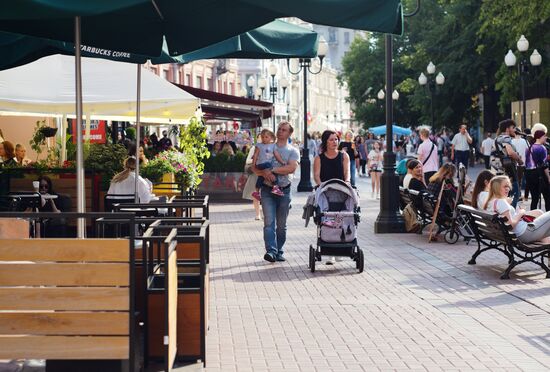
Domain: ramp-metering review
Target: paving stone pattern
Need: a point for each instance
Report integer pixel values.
(417, 306)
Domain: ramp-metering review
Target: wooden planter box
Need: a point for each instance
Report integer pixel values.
(223, 186)
(191, 315)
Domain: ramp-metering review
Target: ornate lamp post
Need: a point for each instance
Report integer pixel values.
(510, 60)
(431, 83)
(305, 67)
(262, 85)
(250, 84)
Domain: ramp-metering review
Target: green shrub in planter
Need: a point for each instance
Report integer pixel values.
(225, 163)
(107, 160)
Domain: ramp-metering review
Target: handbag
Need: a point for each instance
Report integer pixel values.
(411, 219)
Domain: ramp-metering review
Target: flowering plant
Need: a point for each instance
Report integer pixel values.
(170, 161)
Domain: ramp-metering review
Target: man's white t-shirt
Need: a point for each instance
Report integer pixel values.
(521, 147)
(431, 164)
(460, 141)
(487, 146)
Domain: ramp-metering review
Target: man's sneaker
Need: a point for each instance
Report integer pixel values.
(269, 257)
(330, 261)
(277, 191)
(281, 258)
(256, 195)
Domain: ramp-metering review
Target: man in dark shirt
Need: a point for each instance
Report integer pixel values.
(165, 143)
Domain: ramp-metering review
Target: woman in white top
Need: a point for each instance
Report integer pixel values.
(124, 183)
(374, 164)
(481, 189)
(497, 201)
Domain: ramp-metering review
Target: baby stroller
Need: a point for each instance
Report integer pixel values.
(459, 226)
(336, 212)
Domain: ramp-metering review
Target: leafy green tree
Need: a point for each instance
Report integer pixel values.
(467, 41)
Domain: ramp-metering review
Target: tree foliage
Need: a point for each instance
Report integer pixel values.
(467, 41)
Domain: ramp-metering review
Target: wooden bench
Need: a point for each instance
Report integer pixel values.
(424, 206)
(490, 227)
(68, 299)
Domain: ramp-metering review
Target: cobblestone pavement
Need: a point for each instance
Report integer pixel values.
(417, 306)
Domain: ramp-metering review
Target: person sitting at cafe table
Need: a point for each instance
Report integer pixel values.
(7, 153)
(124, 183)
(53, 202)
(20, 155)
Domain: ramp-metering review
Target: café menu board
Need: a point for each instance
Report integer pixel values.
(97, 131)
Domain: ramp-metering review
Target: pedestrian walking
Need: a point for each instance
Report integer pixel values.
(509, 158)
(460, 146)
(349, 146)
(521, 145)
(362, 150)
(486, 149)
(375, 162)
(536, 168)
(275, 208)
(427, 155)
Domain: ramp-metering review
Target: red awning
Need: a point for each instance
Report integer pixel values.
(227, 107)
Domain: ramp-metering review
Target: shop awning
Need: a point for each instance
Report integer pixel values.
(227, 107)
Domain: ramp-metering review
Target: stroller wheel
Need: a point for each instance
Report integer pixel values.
(360, 260)
(312, 259)
(451, 236)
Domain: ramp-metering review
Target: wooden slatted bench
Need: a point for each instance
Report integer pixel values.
(68, 300)
(492, 227)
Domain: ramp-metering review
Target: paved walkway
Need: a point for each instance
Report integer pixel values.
(417, 306)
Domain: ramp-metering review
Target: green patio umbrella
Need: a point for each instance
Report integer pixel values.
(277, 39)
(138, 26)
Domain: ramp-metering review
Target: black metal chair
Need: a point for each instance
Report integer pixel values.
(111, 199)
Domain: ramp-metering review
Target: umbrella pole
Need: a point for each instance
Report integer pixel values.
(138, 114)
(80, 195)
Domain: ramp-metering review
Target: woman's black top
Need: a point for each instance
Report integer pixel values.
(331, 168)
(416, 185)
(349, 150)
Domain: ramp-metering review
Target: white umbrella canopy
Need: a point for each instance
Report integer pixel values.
(46, 86)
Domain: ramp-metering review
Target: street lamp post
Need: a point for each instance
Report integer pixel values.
(273, 89)
(250, 83)
(431, 83)
(389, 219)
(510, 60)
(305, 66)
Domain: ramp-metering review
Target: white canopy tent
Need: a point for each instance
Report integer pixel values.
(109, 91)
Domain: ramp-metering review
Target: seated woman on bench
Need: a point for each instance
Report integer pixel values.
(529, 226)
(481, 189)
(443, 178)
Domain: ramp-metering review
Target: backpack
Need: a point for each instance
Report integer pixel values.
(411, 220)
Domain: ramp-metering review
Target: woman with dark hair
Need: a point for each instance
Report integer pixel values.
(330, 164)
(414, 180)
(45, 188)
(481, 189)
